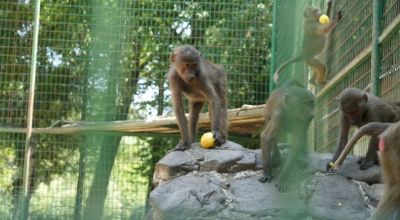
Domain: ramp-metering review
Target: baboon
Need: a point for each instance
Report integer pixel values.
(357, 109)
(200, 80)
(313, 43)
(389, 157)
(389, 206)
(289, 110)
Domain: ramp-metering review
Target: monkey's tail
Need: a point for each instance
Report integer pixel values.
(371, 129)
(284, 65)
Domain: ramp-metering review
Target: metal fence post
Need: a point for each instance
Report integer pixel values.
(24, 205)
(273, 47)
(376, 53)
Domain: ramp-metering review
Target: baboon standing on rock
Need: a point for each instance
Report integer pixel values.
(200, 80)
(289, 109)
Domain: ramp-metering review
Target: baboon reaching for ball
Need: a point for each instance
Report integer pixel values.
(289, 109)
(389, 157)
(314, 39)
(199, 80)
(357, 109)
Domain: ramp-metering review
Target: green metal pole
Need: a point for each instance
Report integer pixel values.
(273, 47)
(24, 199)
(375, 54)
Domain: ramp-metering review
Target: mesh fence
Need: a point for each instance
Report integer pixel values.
(347, 56)
(350, 64)
(106, 61)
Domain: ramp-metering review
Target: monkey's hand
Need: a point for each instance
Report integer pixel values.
(218, 138)
(338, 16)
(329, 166)
(282, 184)
(181, 147)
(265, 178)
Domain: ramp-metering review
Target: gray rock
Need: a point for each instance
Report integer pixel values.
(230, 157)
(375, 193)
(317, 162)
(336, 197)
(350, 169)
(230, 145)
(188, 197)
(223, 184)
(259, 161)
(174, 164)
(220, 160)
(250, 196)
(228, 161)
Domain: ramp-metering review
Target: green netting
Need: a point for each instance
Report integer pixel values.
(288, 37)
(107, 60)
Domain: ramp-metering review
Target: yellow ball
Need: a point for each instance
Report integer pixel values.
(324, 19)
(207, 140)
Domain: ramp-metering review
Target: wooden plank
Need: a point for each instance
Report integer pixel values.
(244, 120)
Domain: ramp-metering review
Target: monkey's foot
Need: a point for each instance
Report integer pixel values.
(365, 164)
(282, 187)
(265, 178)
(218, 138)
(181, 147)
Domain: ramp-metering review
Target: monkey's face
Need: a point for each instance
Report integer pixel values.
(301, 106)
(312, 13)
(188, 71)
(354, 110)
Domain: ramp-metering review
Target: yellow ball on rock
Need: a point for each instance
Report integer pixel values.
(324, 19)
(207, 140)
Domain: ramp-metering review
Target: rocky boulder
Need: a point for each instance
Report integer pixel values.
(223, 184)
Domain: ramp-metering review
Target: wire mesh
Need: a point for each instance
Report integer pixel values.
(390, 75)
(106, 61)
(351, 36)
(391, 9)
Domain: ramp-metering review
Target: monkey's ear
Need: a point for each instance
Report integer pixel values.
(172, 58)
